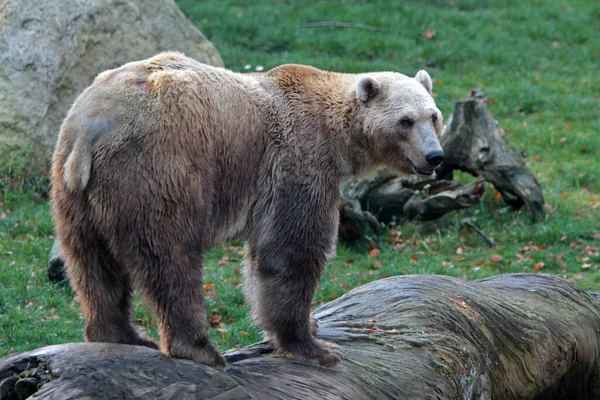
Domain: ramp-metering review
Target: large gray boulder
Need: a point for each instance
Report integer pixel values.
(51, 50)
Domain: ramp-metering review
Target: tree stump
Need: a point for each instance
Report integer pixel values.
(521, 336)
(477, 145)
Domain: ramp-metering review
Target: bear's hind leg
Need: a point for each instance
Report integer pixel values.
(105, 294)
(173, 288)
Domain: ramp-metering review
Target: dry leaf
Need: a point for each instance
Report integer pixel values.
(592, 251)
(374, 253)
(538, 266)
(375, 328)
(497, 196)
(209, 286)
(496, 258)
(399, 246)
(459, 250)
(214, 320)
(429, 33)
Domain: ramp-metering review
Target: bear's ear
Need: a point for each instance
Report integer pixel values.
(367, 88)
(424, 79)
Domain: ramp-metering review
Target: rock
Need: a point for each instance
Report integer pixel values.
(51, 50)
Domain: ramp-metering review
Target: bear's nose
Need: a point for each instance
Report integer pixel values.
(435, 158)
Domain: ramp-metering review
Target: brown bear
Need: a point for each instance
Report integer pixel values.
(162, 158)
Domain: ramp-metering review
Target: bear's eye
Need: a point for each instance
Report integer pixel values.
(406, 122)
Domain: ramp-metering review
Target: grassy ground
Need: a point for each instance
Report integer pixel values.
(538, 61)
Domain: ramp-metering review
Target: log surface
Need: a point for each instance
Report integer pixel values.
(522, 336)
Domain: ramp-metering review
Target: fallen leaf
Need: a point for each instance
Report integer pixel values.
(374, 329)
(592, 251)
(459, 250)
(377, 265)
(214, 320)
(399, 246)
(374, 253)
(549, 207)
(563, 196)
(496, 258)
(224, 261)
(429, 33)
(538, 266)
(209, 286)
(577, 277)
(586, 266)
(574, 245)
(233, 281)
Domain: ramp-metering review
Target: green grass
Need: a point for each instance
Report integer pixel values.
(538, 61)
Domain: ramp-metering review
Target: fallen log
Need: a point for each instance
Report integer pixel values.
(521, 336)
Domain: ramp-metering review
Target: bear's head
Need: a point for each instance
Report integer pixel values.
(400, 122)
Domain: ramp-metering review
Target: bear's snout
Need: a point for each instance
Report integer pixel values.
(435, 158)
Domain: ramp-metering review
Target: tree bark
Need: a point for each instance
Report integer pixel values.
(522, 336)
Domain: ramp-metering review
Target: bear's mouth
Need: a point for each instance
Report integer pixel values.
(420, 171)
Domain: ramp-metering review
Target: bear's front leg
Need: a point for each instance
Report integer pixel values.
(281, 288)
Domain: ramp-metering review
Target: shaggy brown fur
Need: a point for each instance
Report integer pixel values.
(163, 158)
